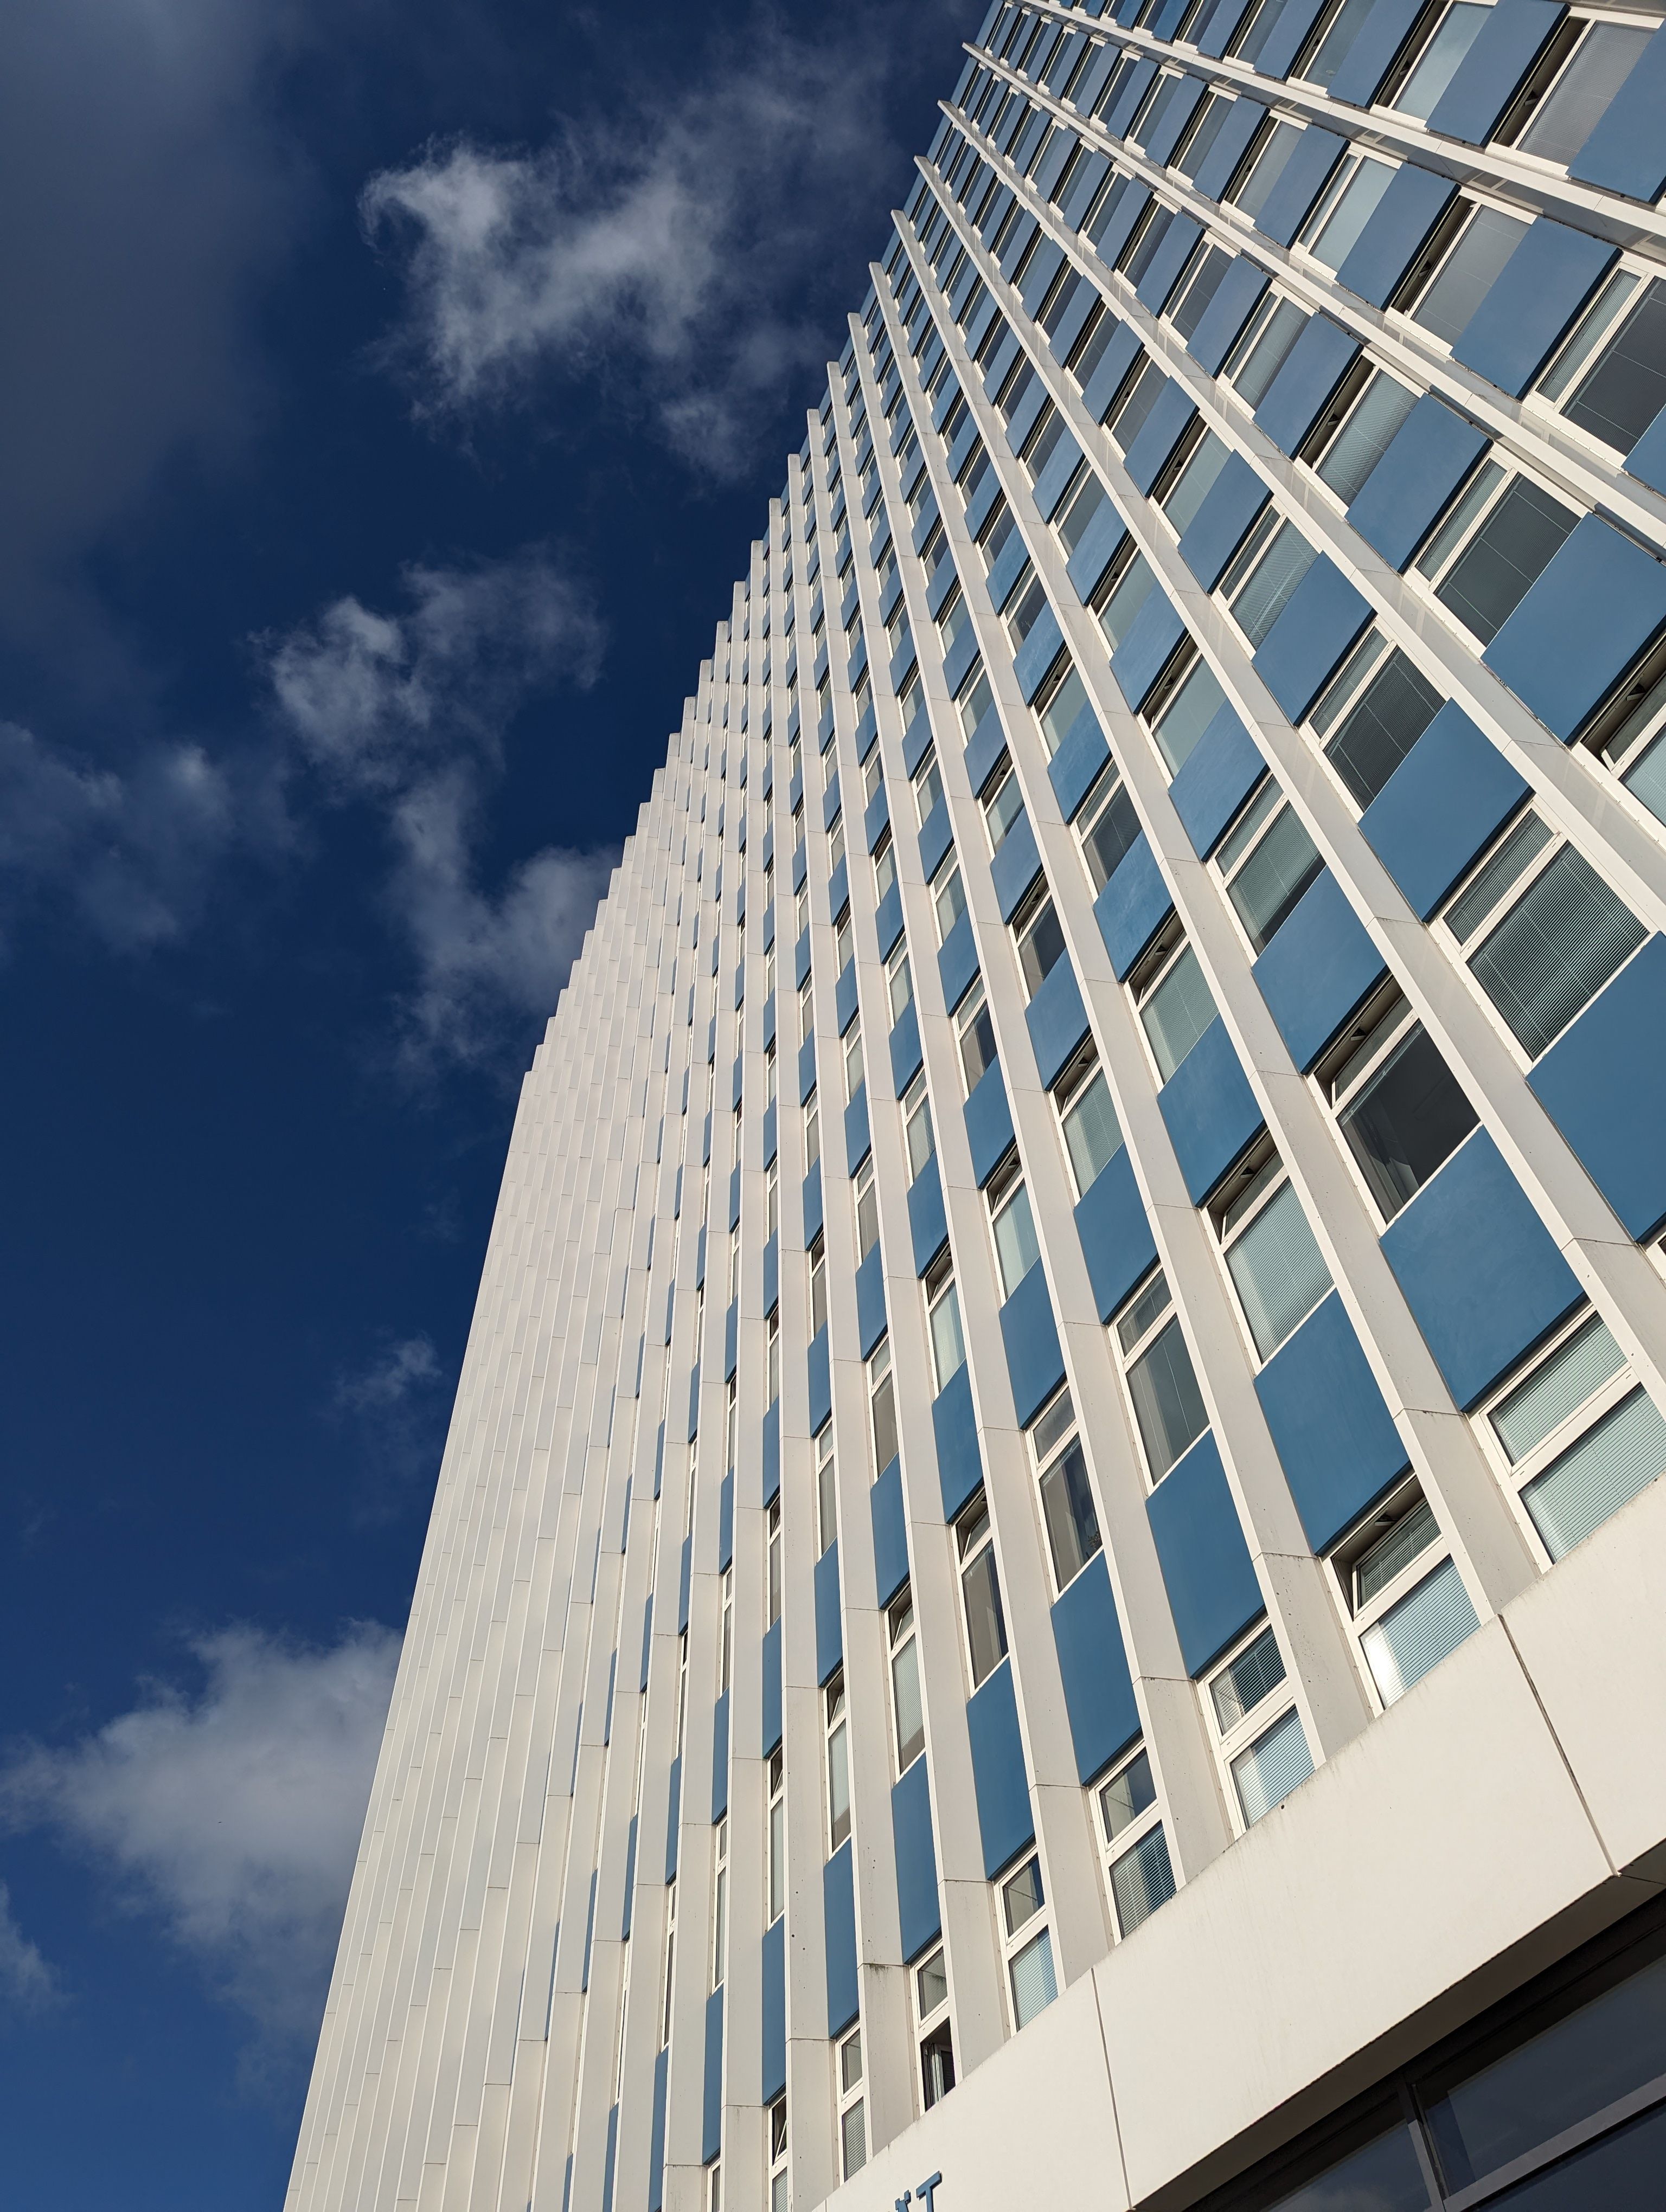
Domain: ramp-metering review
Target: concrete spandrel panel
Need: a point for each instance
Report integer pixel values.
(1449, 1781)
(1064, 2151)
(1597, 1621)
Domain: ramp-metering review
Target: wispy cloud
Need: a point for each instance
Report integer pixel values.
(232, 1812)
(28, 1983)
(670, 243)
(410, 711)
(395, 1406)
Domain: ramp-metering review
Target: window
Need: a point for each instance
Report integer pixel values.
(1002, 808)
(1040, 939)
(979, 1591)
(1060, 706)
(882, 1407)
(1017, 1250)
(1197, 287)
(726, 1631)
(1073, 523)
(772, 1569)
(1108, 826)
(812, 1132)
(671, 1960)
(1277, 1268)
(1192, 485)
(1338, 28)
(1093, 1134)
(977, 699)
(1126, 586)
(943, 1313)
(948, 900)
(1346, 206)
(899, 983)
(1361, 438)
(927, 785)
(1243, 1696)
(1175, 1011)
(1273, 148)
(1168, 1405)
(1616, 392)
(1559, 106)
(1261, 351)
(1182, 707)
(827, 1500)
(719, 1903)
(854, 1071)
(1066, 1496)
(868, 1211)
(976, 1033)
(1031, 1977)
(775, 1848)
(1555, 932)
(778, 2177)
(1141, 1875)
(908, 1711)
(1267, 861)
(1580, 1437)
(1139, 395)
(838, 1765)
(1409, 1611)
(853, 2125)
(931, 2001)
(1371, 716)
(917, 1128)
(1443, 301)
(1259, 583)
(1396, 1102)
(1437, 65)
(1498, 538)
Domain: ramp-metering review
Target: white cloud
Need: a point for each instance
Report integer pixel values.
(369, 697)
(671, 240)
(481, 957)
(391, 1379)
(28, 1983)
(134, 850)
(233, 1813)
(409, 710)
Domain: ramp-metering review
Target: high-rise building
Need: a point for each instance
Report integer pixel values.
(1045, 1587)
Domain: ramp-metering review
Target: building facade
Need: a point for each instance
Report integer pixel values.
(1046, 1585)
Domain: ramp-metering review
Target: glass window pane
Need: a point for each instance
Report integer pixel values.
(1490, 578)
(1244, 1682)
(1415, 1635)
(1626, 389)
(1040, 947)
(1383, 726)
(1061, 710)
(1015, 1240)
(1195, 480)
(1610, 2046)
(1126, 1797)
(1363, 439)
(1574, 1372)
(852, 2130)
(948, 1345)
(1253, 194)
(986, 1624)
(1278, 1270)
(1188, 313)
(1093, 1135)
(977, 1047)
(1022, 1897)
(1177, 1012)
(1555, 948)
(1114, 828)
(1467, 274)
(1133, 588)
(1142, 1879)
(1385, 2177)
(1266, 889)
(1143, 395)
(1440, 59)
(1410, 1117)
(1567, 118)
(1187, 714)
(910, 1709)
(1207, 130)
(1333, 47)
(1167, 1402)
(1034, 1986)
(1593, 1479)
(1266, 355)
(1409, 1538)
(1073, 1526)
(884, 1424)
(1508, 864)
(838, 1785)
(1263, 596)
(1352, 213)
(1274, 1764)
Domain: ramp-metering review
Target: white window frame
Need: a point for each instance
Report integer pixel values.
(933, 2022)
(1036, 1925)
(1232, 1740)
(1115, 1845)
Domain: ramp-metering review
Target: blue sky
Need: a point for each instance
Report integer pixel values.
(388, 396)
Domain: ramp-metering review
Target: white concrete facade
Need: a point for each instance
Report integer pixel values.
(1306, 1686)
